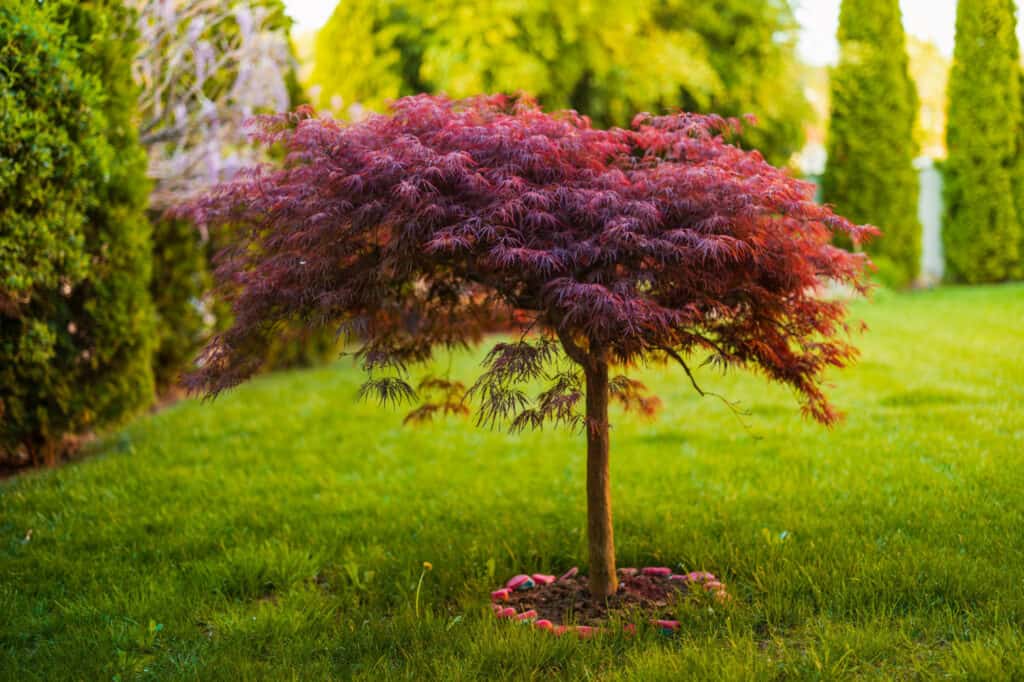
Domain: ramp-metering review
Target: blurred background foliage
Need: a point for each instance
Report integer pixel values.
(606, 59)
(205, 68)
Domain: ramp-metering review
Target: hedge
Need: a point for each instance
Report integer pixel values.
(870, 176)
(982, 232)
(76, 320)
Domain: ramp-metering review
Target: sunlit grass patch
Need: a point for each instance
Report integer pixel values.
(280, 532)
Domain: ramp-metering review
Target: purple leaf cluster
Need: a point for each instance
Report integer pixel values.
(409, 230)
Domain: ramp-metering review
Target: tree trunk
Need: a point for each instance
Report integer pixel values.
(50, 454)
(603, 580)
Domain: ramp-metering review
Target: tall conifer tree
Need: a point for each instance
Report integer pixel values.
(870, 174)
(982, 232)
(76, 332)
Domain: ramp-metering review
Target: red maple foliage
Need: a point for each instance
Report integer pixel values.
(658, 243)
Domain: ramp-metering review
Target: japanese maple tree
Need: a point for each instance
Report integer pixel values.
(661, 243)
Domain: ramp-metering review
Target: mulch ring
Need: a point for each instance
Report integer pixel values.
(565, 603)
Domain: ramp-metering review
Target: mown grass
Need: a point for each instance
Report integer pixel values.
(279, 532)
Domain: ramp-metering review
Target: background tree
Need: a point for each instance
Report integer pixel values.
(207, 66)
(605, 59)
(616, 247)
(929, 70)
(982, 232)
(870, 174)
(75, 336)
(1017, 173)
(751, 45)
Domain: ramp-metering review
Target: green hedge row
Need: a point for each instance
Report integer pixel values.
(76, 319)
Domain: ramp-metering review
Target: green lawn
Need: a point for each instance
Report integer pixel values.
(279, 532)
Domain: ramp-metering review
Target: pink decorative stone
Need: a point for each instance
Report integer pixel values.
(519, 582)
(525, 582)
(571, 573)
(657, 570)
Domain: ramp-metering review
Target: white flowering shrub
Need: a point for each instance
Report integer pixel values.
(205, 68)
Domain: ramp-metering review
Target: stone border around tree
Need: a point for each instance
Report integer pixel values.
(524, 582)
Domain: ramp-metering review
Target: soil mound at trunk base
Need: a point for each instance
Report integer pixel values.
(649, 593)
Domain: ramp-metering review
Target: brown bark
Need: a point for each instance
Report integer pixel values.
(603, 580)
(50, 454)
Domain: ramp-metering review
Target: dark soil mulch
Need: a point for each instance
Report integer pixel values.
(569, 600)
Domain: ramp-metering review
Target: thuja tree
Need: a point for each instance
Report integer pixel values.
(113, 309)
(982, 232)
(656, 244)
(870, 175)
(75, 314)
(54, 150)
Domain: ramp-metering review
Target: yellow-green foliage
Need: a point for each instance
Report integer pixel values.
(870, 175)
(982, 231)
(604, 58)
(75, 337)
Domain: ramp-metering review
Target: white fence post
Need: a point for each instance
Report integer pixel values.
(929, 212)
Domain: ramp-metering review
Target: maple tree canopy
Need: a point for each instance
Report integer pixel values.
(410, 229)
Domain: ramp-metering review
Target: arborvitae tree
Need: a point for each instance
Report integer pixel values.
(870, 175)
(982, 233)
(661, 243)
(180, 279)
(75, 345)
(1017, 173)
(52, 147)
(116, 308)
(1017, 182)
